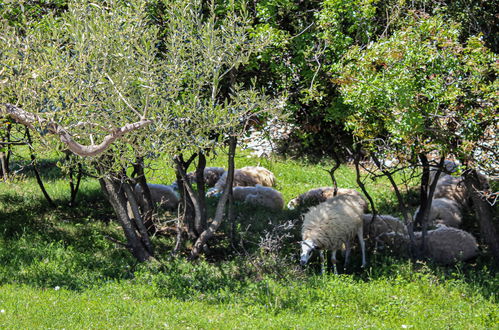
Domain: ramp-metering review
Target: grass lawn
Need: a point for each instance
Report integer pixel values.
(58, 269)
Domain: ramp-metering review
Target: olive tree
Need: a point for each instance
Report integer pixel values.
(105, 82)
(207, 104)
(420, 93)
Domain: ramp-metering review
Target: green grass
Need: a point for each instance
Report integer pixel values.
(58, 270)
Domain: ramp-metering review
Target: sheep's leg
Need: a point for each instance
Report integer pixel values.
(333, 261)
(321, 256)
(348, 248)
(360, 235)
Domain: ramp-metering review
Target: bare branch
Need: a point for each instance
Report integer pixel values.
(28, 119)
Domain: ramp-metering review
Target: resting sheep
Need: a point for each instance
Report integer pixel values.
(444, 211)
(245, 176)
(259, 196)
(318, 195)
(444, 245)
(162, 196)
(447, 245)
(382, 225)
(211, 175)
(453, 188)
(331, 225)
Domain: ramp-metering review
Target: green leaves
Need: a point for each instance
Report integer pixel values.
(421, 85)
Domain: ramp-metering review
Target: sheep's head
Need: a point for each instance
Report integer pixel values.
(307, 247)
(293, 204)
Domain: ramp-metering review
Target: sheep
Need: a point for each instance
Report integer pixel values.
(453, 188)
(448, 167)
(259, 196)
(161, 195)
(211, 175)
(444, 211)
(444, 245)
(330, 226)
(318, 195)
(245, 176)
(447, 245)
(382, 225)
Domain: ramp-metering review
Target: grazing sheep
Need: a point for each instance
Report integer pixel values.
(211, 175)
(382, 225)
(259, 196)
(331, 225)
(162, 196)
(318, 195)
(245, 176)
(447, 245)
(444, 211)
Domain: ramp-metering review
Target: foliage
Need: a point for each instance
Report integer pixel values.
(420, 90)
(89, 70)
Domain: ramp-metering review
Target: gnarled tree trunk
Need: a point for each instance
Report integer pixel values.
(220, 211)
(137, 239)
(484, 213)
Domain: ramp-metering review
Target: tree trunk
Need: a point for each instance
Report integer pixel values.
(118, 200)
(144, 236)
(35, 170)
(484, 214)
(427, 190)
(201, 219)
(402, 207)
(4, 166)
(148, 205)
(219, 213)
(4, 156)
(360, 183)
(72, 186)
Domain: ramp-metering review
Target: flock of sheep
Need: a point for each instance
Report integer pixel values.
(332, 218)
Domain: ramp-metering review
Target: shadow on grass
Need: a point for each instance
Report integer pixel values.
(63, 246)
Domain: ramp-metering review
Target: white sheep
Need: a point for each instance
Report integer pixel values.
(453, 188)
(245, 176)
(447, 245)
(318, 195)
(161, 195)
(444, 211)
(330, 226)
(449, 166)
(381, 226)
(444, 245)
(259, 196)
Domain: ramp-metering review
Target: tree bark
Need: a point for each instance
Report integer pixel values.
(484, 213)
(190, 203)
(219, 213)
(148, 205)
(144, 236)
(200, 221)
(35, 170)
(427, 190)
(118, 201)
(28, 119)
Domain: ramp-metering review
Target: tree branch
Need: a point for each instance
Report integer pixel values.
(28, 119)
